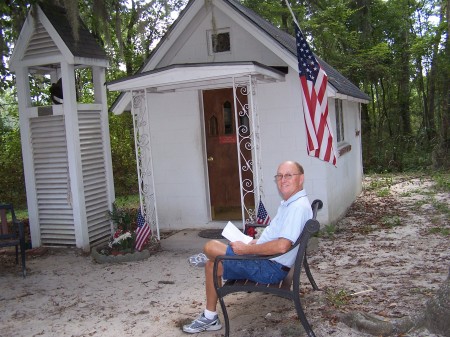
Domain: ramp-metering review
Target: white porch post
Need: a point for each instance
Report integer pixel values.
(76, 195)
(98, 76)
(23, 91)
(248, 139)
(144, 162)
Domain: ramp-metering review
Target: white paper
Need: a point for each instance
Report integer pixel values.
(232, 233)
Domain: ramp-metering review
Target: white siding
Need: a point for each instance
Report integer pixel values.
(177, 149)
(192, 44)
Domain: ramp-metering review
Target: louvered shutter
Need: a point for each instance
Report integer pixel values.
(51, 166)
(94, 174)
(41, 44)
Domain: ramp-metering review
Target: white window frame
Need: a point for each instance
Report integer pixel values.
(211, 33)
(339, 111)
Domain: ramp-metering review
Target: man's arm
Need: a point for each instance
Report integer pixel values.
(278, 246)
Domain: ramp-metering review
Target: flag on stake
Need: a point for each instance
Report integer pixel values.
(314, 82)
(262, 217)
(142, 231)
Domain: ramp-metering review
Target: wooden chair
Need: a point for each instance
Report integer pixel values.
(289, 288)
(15, 236)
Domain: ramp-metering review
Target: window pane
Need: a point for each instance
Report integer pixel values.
(227, 118)
(220, 42)
(339, 120)
(213, 126)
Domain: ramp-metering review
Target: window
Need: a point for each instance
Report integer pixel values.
(339, 120)
(219, 41)
(227, 118)
(213, 126)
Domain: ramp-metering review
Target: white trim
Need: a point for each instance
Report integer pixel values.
(188, 76)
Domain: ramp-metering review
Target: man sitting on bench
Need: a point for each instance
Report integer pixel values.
(278, 237)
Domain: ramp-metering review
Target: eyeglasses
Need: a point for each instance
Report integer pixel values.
(287, 176)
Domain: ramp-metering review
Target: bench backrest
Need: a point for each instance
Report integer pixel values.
(312, 226)
(7, 212)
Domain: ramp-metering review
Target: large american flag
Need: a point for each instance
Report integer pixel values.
(262, 217)
(142, 231)
(314, 82)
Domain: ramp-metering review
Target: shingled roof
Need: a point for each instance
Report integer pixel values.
(337, 80)
(85, 45)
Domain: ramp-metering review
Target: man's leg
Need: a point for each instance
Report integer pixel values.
(212, 249)
(209, 320)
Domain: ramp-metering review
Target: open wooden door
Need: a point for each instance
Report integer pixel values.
(222, 156)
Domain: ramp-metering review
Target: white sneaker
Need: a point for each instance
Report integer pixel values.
(201, 323)
(198, 260)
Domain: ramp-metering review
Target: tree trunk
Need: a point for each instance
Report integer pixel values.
(403, 85)
(434, 318)
(442, 150)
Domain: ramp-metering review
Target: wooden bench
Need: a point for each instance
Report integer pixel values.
(13, 235)
(289, 288)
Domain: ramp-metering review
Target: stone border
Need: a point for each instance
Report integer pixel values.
(130, 257)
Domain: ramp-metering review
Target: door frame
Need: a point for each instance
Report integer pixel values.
(246, 85)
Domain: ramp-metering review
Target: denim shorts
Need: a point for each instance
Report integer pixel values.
(261, 271)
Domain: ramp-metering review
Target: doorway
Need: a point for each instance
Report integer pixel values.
(221, 150)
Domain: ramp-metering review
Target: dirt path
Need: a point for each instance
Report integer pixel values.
(387, 257)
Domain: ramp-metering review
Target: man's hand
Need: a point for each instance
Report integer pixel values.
(239, 248)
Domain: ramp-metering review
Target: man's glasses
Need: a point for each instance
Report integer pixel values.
(287, 176)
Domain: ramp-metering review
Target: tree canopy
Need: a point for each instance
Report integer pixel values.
(397, 51)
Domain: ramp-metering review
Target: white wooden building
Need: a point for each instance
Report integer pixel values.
(66, 147)
(217, 106)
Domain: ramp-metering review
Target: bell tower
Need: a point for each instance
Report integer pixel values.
(65, 145)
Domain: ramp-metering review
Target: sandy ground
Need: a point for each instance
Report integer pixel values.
(381, 259)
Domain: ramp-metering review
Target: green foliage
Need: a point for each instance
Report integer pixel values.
(11, 168)
(128, 201)
(337, 298)
(124, 219)
(441, 207)
(328, 231)
(442, 180)
(391, 221)
(380, 182)
(384, 192)
(444, 231)
(123, 154)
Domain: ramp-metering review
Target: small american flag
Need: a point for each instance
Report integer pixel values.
(315, 103)
(142, 232)
(262, 217)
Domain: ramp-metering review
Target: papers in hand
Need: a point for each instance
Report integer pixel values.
(232, 233)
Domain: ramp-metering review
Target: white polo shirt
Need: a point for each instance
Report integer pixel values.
(288, 223)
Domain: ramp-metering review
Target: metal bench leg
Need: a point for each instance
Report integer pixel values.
(17, 254)
(22, 249)
(225, 317)
(302, 317)
(308, 273)
(22, 254)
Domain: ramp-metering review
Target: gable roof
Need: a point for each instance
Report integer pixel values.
(46, 39)
(341, 84)
(85, 46)
(287, 41)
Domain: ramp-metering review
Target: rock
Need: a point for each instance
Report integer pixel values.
(437, 311)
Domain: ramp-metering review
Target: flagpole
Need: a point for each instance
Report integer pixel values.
(292, 13)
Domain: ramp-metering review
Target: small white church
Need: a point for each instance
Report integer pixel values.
(217, 107)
